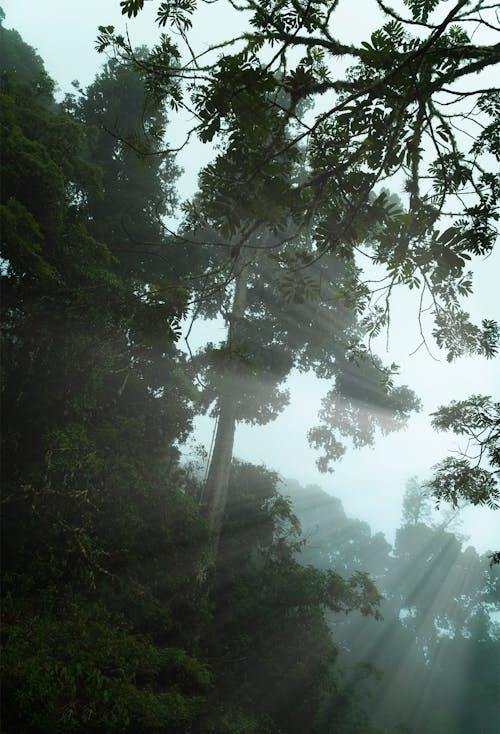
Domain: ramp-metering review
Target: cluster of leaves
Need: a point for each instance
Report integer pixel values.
(474, 476)
(85, 670)
(421, 9)
(363, 401)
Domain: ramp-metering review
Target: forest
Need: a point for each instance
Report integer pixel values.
(144, 592)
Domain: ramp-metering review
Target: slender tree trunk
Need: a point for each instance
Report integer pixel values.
(220, 467)
(216, 488)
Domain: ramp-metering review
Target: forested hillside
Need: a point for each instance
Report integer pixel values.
(139, 596)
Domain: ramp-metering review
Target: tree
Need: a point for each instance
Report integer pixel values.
(272, 331)
(136, 190)
(97, 536)
(304, 191)
(473, 477)
(334, 540)
(270, 638)
(60, 286)
(398, 99)
(438, 609)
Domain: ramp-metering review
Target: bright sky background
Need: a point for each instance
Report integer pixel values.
(369, 481)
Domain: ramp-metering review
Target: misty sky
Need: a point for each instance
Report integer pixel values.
(369, 481)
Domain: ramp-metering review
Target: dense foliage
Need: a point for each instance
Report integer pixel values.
(295, 192)
(110, 623)
(94, 396)
(116, 618)
(286, 88)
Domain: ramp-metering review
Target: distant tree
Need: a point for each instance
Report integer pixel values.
(438, 617)
(334, 540)
(19, 58)
(416, 508)
(271, 645)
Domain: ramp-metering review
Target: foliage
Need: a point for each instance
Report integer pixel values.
(464, 478)
(113, 619)
(437, 642)
(271, 638)
(456, 478)
(136, 189)
(97, 536)
(295, 195)
(78, 669)
(110, 623)
(478, 420)
(398, 109)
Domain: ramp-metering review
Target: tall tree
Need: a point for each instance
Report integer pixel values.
(137, 188)
(288, 309)
(397, 105)
(310, 324)
(97, 537)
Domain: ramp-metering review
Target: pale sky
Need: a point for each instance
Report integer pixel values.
(370, 481)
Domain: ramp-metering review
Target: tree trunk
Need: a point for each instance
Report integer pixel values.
(216, 488)
(220, 467)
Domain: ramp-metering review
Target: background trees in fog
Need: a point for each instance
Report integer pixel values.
(116, 618)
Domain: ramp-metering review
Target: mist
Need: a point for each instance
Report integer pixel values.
(250, 446)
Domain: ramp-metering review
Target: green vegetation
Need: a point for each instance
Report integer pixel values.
(137, 598)
(295, 193)
(434, 652)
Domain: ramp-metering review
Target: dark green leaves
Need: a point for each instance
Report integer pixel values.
(104, 38)
(455, 332)
(456, 479)
(85, 668)
(177, 13)
(131, 7)
(238, 97)
(421, 9)
(465, 478)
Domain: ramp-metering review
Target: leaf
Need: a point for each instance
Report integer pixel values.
(421, 9)
(448, 234)
(131, 7)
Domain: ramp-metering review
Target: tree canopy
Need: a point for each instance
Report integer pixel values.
(118, 618)
(309, 132)
(395, 105)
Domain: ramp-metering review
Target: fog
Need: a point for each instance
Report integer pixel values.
(370, 481)
(226, 510)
